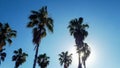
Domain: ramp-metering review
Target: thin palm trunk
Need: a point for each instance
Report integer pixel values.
(84, 64)
(36, 54)
(65, 66)
(79, 65)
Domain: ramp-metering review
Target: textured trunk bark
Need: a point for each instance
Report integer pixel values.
(36, 54)
(79, 65)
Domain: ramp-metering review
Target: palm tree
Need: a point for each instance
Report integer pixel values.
(86, 52)
(39, 21)
(65, 59)
(43, 60)
(2, 55)
(78, 30)
(19, 57)
(6, 33)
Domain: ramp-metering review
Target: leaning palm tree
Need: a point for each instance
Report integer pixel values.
(6, 33)
(86, 52)
(43, 60)
(39, 21)
(19, 57)
(78, 30)
(2, 55)
(65, 59)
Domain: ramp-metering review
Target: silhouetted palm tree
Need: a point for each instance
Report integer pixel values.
(65, 59)
(19, 57)
(78, 30)
(43, 60)
(39, 20)
(6, 33)
(86, 52)
(2, 55)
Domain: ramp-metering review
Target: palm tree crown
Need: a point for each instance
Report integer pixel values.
(43, 60)
(19, 57)
(6, 33)
(78, 30)
(65, 59)
(39, 20)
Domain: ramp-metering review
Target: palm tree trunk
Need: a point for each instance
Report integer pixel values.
(84, 64)
(79, 65)
(36, 54)
(65, 66)
(16, 65)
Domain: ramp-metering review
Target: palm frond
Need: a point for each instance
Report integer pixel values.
(9, 41)
(85, 33)
(7, 26)
(2, 55)
(35, 12)
(20, 51)
(2, 50)
(14, 58)
(24, 54)
(85, 26)
(49, 25)
(43, 34)
(50, 21)
(33, 17)
(30, 24)
(15, 51)
(1, 25)
(80, 20)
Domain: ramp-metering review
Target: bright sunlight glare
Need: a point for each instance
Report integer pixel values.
(90, 61)
(74, 56)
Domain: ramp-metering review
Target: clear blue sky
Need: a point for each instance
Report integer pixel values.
(103, 17)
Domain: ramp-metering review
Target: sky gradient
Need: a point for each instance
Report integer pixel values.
(103, 17)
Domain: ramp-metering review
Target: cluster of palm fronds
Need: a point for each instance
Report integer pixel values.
(41, 23)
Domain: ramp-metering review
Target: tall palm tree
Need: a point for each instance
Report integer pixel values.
(19, 57)
(2, 55)
(43, 60)
(86, 52)
(6, 33)
(39, 21)
(65, 59)
(78, 30)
